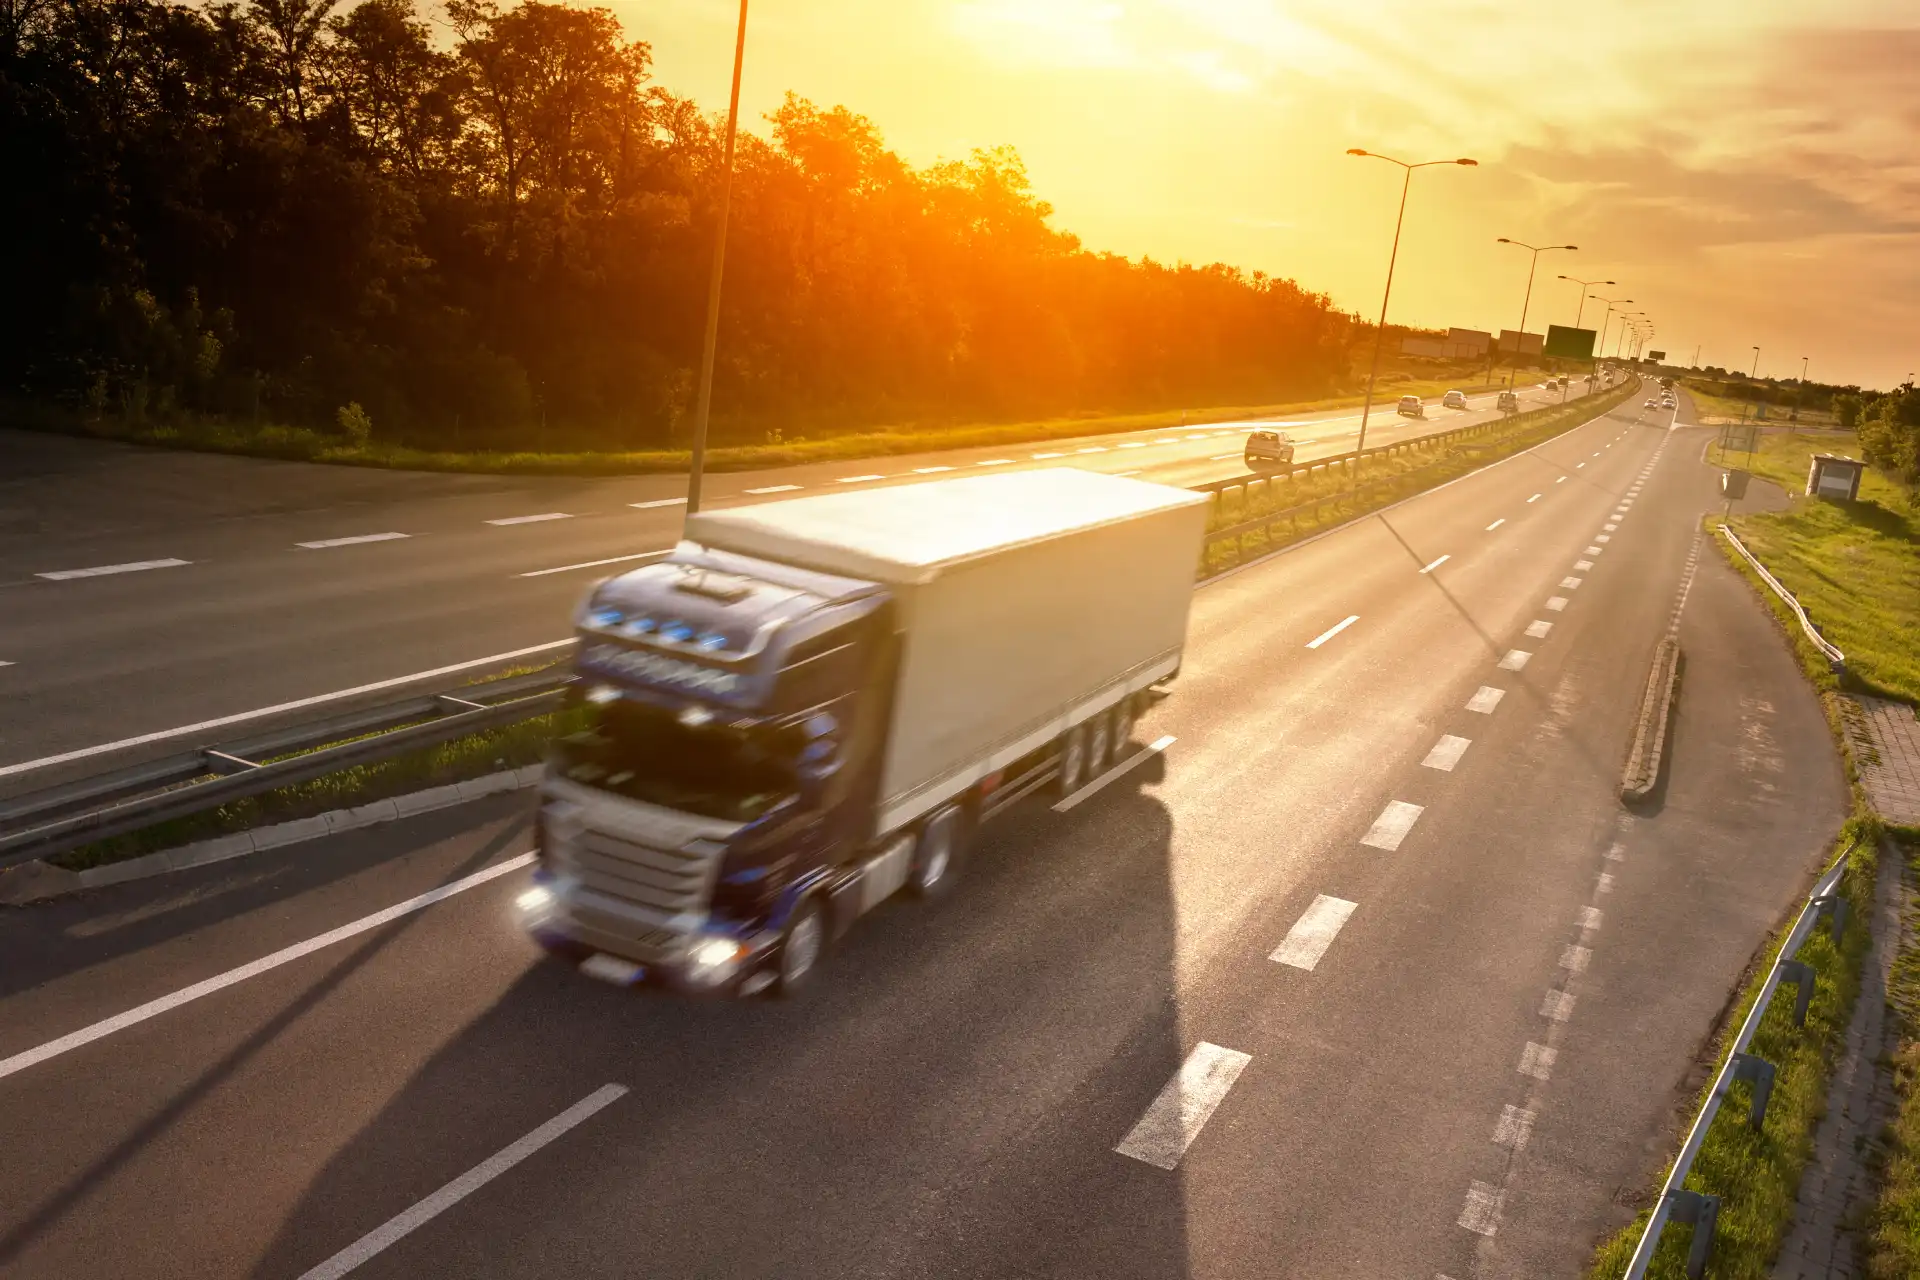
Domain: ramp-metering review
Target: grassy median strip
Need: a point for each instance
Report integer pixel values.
(303, 445)
(1757, 1174)
(1314, 502)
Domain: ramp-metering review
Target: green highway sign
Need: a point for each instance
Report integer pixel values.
(1569, 343)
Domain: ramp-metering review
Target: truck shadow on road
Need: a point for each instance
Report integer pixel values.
(944, 1103)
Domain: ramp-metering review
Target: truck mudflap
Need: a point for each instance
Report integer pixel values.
(877, 879)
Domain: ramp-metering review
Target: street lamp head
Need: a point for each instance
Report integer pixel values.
(1503, 240)
(1355, 151)
(1471, 164)
(1566, 246)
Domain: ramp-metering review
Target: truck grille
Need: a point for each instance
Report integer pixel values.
(673, 882)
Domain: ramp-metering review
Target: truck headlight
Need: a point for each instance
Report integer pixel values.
(535, 900)
(713, 960)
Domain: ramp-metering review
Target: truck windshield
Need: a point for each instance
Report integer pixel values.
(649, 755)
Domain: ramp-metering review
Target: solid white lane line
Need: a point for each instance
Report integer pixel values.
(1176, 1116)
(1514, 1127)
(1496, 524)
(101, 571)
(1333, 631)
(1570, 584)
(1391, 827)
(1515, 660)
(1138, 758)
(1049, 455)
(1482, 1212)
(995, 462)
(1430, 567)
(466, 1184)
(26, 766)
(1222, 457)
(1536, 1060)
(1485, 699)
(927, 471)
(658, 502)
(1537, 629)
(539, 519)
(1534, 498)
(1557, 603)
(253, 969)
(1446, 753)
(1134, 472)
(1313, 932)
(857, 479)
(1557, 1005)
(774, 488)
(354, 541)
(595, 564)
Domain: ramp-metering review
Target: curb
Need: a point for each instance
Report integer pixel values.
(37, 881)
(1650, 733)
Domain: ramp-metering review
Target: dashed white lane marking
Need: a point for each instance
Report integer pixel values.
(1538, 628)
(1603, 537)
(1557, 1005)
(1134, 472)
(1435, 564)
(1039, 456)
(1515, 660)
(1201, 436)
(1485, 699)
(5, 664)
(101, 571)
(1094, 448)
(353, 541)
(1557, 603)
(1604, 884)
(463, 1186)
(1174, 1118)
(1333, 631)
(927, 471)
(1575, 958)
(1584, 565)
(595, 564)
(1313, 932)
(1482, 1212)
(1514, 1127)
(995, 462)
(1617, 852)
(1496, 524)
(1168, 440)
(1137, 758)
(659, 502)
(1596, 453)
(1446, 753)
(1391, 827)
(1594, 550)
(1534, 498)
(1611, 525)
(1559, 479)
(1570, 584)
(252, 969)
(1222, 457)
(774, 488)
(1589, 918)
(1536, 1060)
(1141, 444)
(1578, 465)
(539, 519)
(865, 479)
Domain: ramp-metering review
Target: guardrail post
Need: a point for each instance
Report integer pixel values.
(1801, 975)
(1834, 907)
(1702, 1211)
(1759, 1073)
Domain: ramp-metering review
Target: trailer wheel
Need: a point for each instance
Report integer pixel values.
(800, 948)
(1123, 712)
(1099, 743)
(937, 853)
(1073, 760)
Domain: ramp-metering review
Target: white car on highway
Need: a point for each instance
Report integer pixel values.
(1454, 400)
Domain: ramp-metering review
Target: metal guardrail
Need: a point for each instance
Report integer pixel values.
(1676, 1204)
(1836, 660)
(58, 819)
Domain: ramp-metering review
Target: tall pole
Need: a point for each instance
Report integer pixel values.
(1519, 339)
(1696, 354)
(1755, 371)
(1380, 330)
(713, 281)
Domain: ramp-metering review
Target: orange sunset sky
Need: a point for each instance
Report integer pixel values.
(1746, 169)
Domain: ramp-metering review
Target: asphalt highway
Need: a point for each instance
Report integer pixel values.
(1434, 994)
(142, 591)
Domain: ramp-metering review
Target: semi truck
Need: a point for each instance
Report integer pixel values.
(813, 704)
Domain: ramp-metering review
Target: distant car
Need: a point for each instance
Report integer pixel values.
(1454, 400)
(1412, 407)
(1508, 402)
(1266, 449)
(1650, 404)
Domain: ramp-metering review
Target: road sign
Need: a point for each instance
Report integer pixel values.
(1657, 356)
(1569, 343)
(1744, 436)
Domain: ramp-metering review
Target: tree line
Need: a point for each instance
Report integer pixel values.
(1889, 429)
(487, 227)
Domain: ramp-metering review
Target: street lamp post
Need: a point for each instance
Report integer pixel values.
(1519, 339)
(1380, 330)
(712, 337)
(1755, 371)
(1578, 314)
(1608, 320)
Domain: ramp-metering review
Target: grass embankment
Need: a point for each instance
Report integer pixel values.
(1717, 406)
(1383, 481)
(299, 444)
(1757, 1175)
(1855, 566)
(1892, 1245)
(476, 755)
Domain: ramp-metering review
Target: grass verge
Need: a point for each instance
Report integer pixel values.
(1757, 1174)
(1892, 1245)
(303, 445)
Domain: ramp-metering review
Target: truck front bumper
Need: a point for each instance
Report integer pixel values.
(711, 959)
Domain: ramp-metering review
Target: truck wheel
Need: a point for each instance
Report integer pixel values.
(936, 854)
(1073, 760)
(1099, 744)
(1122, 725)
(800, 949)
